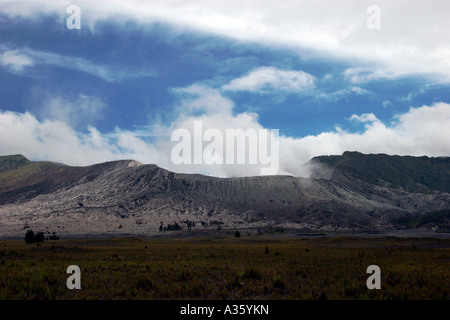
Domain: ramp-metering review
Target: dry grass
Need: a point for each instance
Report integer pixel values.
(227, 268)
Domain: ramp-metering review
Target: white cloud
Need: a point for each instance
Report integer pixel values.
(361, 75)
(107, 73)
(49, 140)
(420, 131)
(18, 59)
(82, 111)
(265, 78)
(54, 140)
(413, 39)
(270, 80)
(402, 46)
(342, 93)
(359, 91)
(202, 99)
(387, 103)
(415, 93)
(15, 60)
(365, 118)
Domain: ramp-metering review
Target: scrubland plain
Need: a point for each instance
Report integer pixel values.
(226, 268)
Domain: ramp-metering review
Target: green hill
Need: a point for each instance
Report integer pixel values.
(13, 162)
(18, 175)
(413, 174)
(15, 168)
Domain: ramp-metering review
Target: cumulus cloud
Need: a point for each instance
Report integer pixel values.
(421, 131)
(202, 99)
(365, 118)
(82, 111)
(412, 39)
(325, 28)
(412, 133)
(15, 61)
(271, 80)
(53, 140)
(266, 78)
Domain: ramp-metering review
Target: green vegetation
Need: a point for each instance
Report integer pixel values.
(30, 237)
(22, 179)
(440, 219)
(173, 227)
(13, 162)
(413, 174)
(227, 268)
(19, 167)
(276, 230)
(39, 237)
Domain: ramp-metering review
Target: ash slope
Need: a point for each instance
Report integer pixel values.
(127, 197)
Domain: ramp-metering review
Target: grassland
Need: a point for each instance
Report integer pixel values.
(227, 268)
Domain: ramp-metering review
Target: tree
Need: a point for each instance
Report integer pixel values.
(237, 234)
(39, 237)
(29, 237)
(173, 227)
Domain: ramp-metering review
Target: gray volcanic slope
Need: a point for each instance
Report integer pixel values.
(126, 197)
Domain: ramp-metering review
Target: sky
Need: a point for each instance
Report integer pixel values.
(330, 76)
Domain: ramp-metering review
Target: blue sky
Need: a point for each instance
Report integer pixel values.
(115, 88)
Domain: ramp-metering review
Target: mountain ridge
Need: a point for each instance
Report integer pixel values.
(125, 196)
(413, 174)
